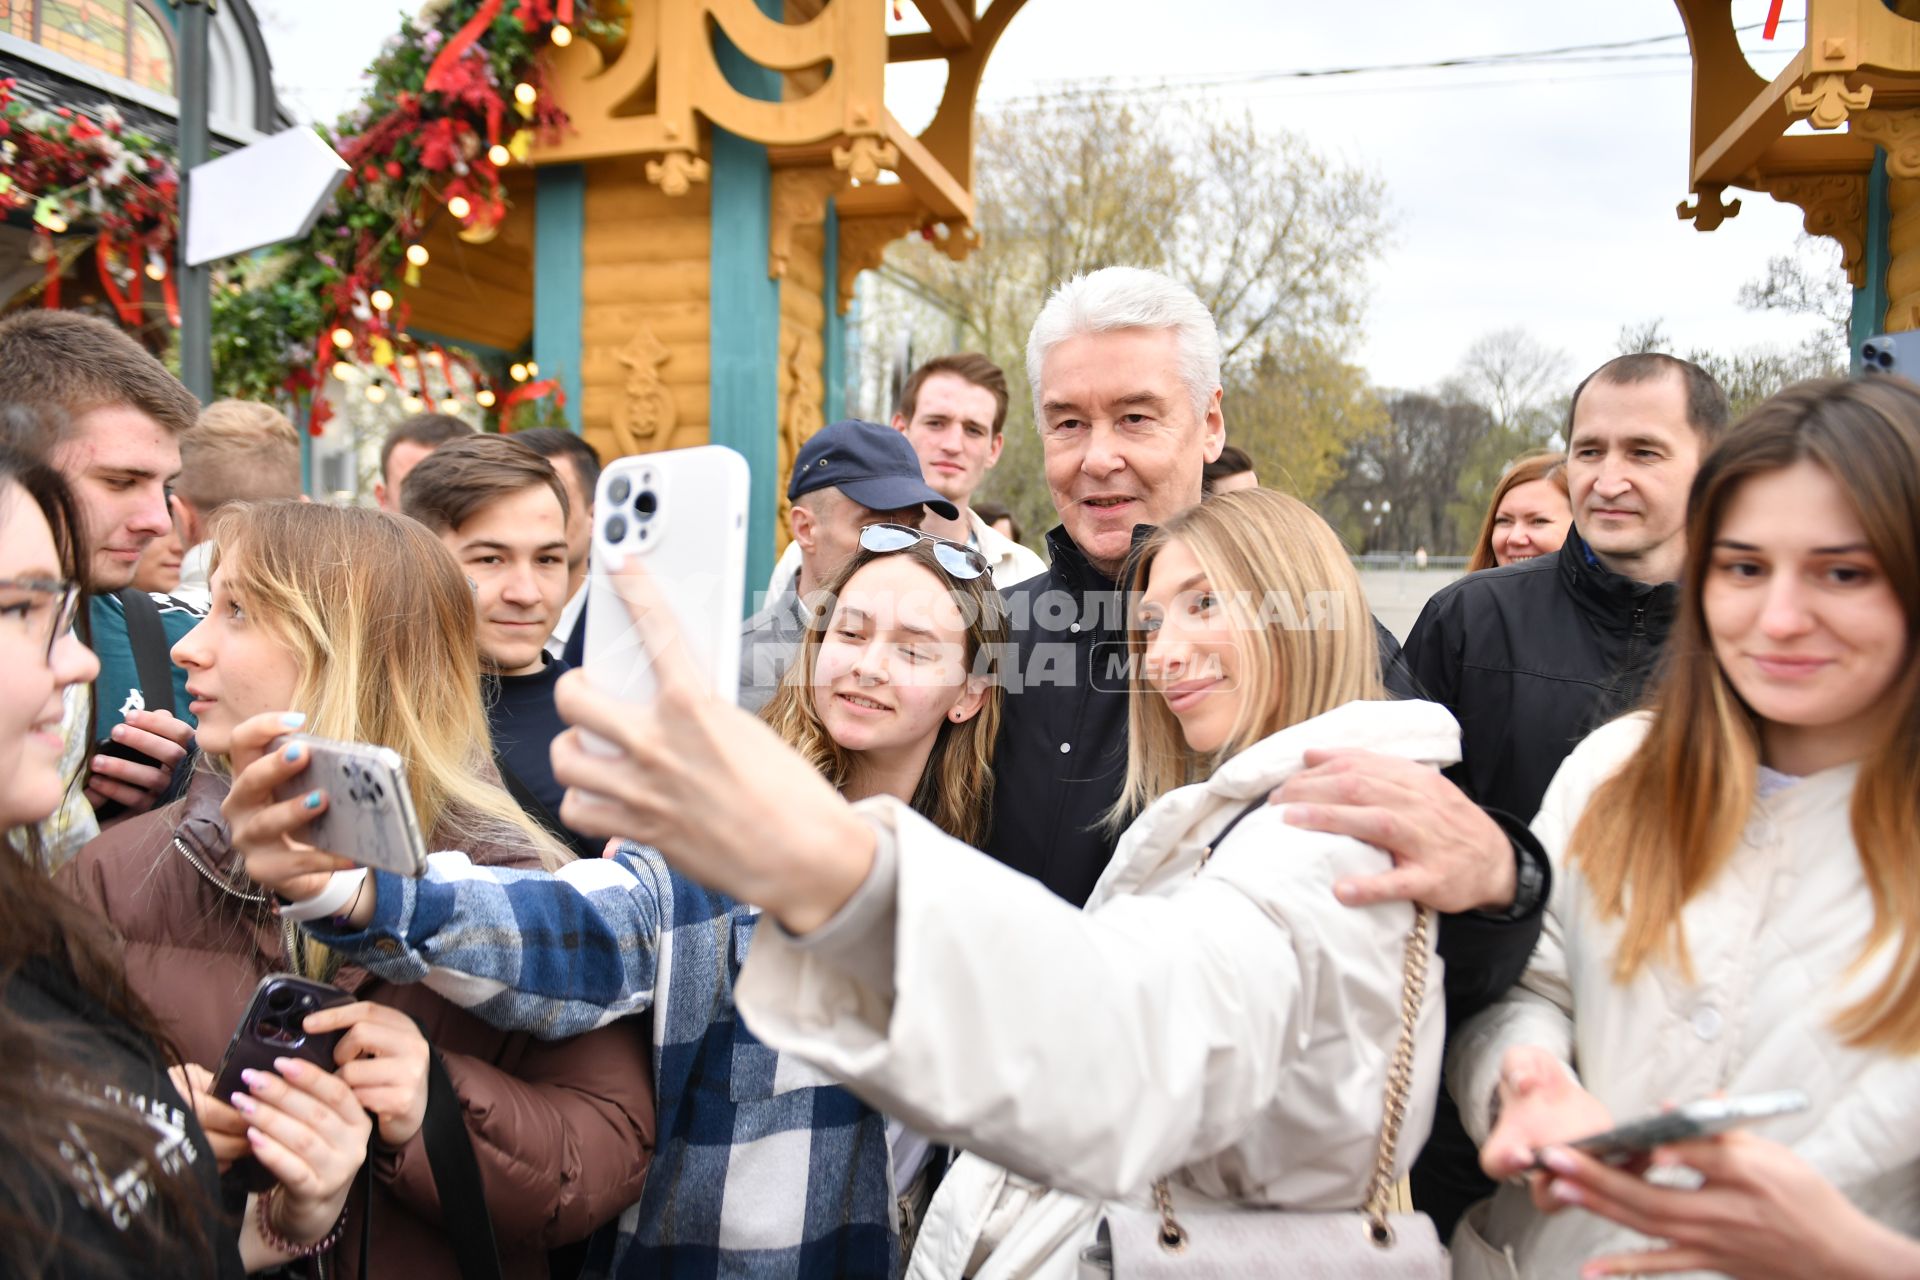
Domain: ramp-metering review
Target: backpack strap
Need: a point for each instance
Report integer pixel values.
(456, 1177)
(147, 637)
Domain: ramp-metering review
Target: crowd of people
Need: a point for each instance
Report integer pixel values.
(1018, 902)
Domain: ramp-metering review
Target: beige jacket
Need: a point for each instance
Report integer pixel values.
(1772, 940)
(1221, 1019)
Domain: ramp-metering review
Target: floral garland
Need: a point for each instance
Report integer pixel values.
(458, 95)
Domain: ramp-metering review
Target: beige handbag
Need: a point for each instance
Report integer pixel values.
(1370, 1244)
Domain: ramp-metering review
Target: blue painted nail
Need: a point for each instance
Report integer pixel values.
(293, 719)
(313, 800)
(293, 753)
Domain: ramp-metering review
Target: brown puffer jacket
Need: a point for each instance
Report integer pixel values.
(562, 1130)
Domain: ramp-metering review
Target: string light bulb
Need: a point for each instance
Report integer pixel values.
(413, 404)
(381, 300)
(417, 254)
(459, 207)
(486, 397)
(343, 338)
(518, 372)
(562, 34)
(450, 405)
(376, 392)
(525, 94)
(533, 369)
(156, 267)
(499, 156)
(344, 370)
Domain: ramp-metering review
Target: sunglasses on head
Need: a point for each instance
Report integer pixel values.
(957, 558)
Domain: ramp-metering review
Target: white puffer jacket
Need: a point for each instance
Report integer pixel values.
(1230, 1024)
(1772, 940)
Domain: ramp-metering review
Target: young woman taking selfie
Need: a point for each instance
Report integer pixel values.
(887, 698)
(1216, 1029)
(362, 621)
(104, 1171)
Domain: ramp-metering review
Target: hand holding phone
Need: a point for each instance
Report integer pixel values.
(1700, 1119)
(273, 1027)
(369, 817)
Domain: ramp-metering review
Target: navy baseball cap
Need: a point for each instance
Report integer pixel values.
(873, 465)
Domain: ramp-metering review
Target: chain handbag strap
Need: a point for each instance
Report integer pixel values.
(1413, 990)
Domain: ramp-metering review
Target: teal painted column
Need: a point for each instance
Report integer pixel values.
(744, 308)
(559, 272)
(1870, 300)
(833, 357)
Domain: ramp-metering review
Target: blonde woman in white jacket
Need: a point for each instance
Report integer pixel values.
(1736, 901)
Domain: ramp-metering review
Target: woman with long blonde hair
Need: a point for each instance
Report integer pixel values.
(362, 622)
(1215, 1030)
(1736, 905)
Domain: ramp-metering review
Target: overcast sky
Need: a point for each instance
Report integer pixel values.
(1522, 195)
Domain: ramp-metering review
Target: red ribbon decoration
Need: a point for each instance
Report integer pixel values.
(463, 40)
(1773, 20)
(530, 391)
(125, 305)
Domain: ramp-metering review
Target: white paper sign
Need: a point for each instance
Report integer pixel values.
(264, 194)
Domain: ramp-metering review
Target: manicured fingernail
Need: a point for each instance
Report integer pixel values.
(313, 800)
(1565, 1192)
(291, 1068)
(1558, 1160)
(256, 1137)
(255, 1080)
(243, 1104)
(293, 752)
(293, 719)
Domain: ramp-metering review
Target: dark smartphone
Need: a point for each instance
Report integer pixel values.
(111, 809)
(272, 1028)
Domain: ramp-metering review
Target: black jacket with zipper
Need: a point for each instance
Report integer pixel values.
(1531, 658)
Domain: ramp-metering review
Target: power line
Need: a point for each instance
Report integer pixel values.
(1562, 55)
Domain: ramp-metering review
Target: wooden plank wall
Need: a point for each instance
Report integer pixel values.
(803, 318)
(647, 262)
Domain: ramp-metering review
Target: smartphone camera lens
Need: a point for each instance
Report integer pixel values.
(645, 504)
(280, 1000)
(270, 1029)
(616, 528)
(618, 489)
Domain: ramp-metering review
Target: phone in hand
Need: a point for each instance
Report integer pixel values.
(683, 515)
(108, 810)
(369, 817)
(1700, 1119)
(273, 1026)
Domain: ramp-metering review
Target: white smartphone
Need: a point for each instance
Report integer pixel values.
(682, 516)
(369, 816)
(1700, 1119)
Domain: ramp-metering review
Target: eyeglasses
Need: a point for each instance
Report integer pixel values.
(33, 603)
(957, 558)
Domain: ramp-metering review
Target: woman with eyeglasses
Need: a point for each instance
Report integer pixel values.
(104, 1171)
(761, 1159)
(1216, 1033)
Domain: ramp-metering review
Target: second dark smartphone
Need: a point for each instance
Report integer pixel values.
(272, 1028)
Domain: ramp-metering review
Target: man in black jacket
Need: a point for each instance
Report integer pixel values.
(1125, 370)
(1532, 657)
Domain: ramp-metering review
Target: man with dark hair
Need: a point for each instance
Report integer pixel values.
(114, 416)
(579, 467)
(502, 511)
(1532, 657)
(1233, 469)
(953, 411)
(410, 441)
